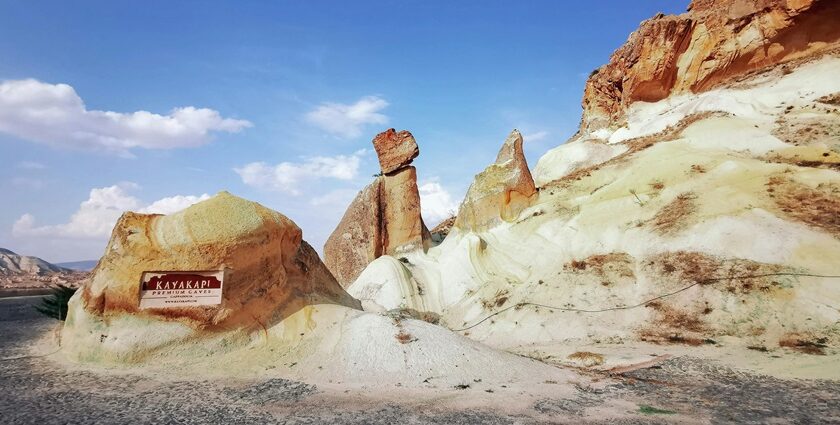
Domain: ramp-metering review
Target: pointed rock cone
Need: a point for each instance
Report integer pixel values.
(500, 192)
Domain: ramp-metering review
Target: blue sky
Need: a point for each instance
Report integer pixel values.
(274, 101)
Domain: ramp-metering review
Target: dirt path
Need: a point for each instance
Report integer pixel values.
(38, 390)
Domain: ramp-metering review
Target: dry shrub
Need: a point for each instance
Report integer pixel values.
(730, 274)
(676, 215)
(498, 300)
(657, 185)
(828, 163)
(587, 358)
(831, 99)
(409, 313)
(577, 265)
(818, 207)
(404, 337)
(698, 168)
(804, 344)
(612, 265)
(674, 326)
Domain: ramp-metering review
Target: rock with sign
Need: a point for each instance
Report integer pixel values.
(154, 273)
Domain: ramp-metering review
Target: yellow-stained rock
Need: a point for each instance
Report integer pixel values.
(715, 42)
(501, 191)
(270, 272)
(383, 219)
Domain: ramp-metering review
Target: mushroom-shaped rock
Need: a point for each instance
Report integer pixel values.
(501, 191)
(269, 273)
(395, 149)
(384, 218)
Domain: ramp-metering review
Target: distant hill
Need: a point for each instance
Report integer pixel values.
(25, 272)
(85, 266)
(13, 264)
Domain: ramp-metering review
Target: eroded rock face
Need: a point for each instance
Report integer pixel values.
(716, 41)
(384, 218)
(395, 149)
(501, 191)
(356, 241)
(270, 272)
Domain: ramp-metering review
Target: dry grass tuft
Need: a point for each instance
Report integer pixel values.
(831, 99)
(818, 207)
(404, 337)
(587, 358)
(696, 267)
(698, 168)
(676, 215)
(610, 266)
(674, 326)
(498, 300)
(804, 344)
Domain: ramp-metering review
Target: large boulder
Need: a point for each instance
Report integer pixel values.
(715, 42)
(395, 149)
(269, 274)
(384, 218)
(501, 191)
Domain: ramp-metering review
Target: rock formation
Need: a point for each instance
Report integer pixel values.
(501, 191)
(698, 203)
(270, 272)
(21, 271)
(395, 149)
(384, 218)
(714, 42)
(12, 263)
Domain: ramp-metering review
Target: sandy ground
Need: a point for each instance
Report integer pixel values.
(679, 389)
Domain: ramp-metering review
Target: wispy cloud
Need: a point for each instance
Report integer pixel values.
(348, 120)
(30, 165)
(97, 215)
(289, 177)
(55, 115)
(535, 136)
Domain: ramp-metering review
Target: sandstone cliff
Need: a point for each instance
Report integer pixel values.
(715, 42)
(698, 202)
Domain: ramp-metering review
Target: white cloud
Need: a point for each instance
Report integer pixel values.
(535, 137)
(55, 115)
(31, 165)
(347, 120)
(172, 204)
(436, 203)
(97, 215)
(289, 176)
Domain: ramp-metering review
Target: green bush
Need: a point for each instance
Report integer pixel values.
(55, 304)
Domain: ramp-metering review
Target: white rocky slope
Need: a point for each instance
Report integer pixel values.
(281, 311)
(705, 218)
(12, 263)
